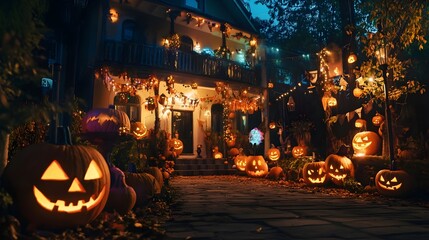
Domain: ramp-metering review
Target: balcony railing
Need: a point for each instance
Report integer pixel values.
(185, 62)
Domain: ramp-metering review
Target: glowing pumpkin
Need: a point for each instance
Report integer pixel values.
(122, 197)
(176, 145)
(366, 143)
(338, 168)
(357, 92)
(393, 183)
(273, 154)
(230, 142)
(332, 102)
(217, 155)
(58, 186)
(240, 162)
(105, 120)
(314, 173)
(377, 119)
(360, 123)
(256, 166)
(139, 130)
(299, 151)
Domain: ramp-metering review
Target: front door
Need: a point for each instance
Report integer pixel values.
(182, 124)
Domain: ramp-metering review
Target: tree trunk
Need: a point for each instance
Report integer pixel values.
(4, 150)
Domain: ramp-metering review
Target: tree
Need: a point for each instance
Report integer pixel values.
(21, 29)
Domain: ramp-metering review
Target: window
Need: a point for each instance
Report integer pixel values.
(129, 104)
(128, 30)
(186, 44)
(199, 4)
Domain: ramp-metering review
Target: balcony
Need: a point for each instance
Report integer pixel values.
(139, 55)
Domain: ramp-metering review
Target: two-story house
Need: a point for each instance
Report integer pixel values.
(191, 68)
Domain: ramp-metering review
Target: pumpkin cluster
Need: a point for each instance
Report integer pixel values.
(335, 168)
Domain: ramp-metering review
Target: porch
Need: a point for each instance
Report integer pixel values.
(133, 55)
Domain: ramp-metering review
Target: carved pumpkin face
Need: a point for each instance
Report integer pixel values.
(377, 119)
(366, 143)
(273, 154)
(240, 162)
(217, 155)
(360, 123)
(393, 183)
(299, 151)
(59, 186)
(256, 166)
(338, 168)
(176, 145)
(139, 130)
(105, 120)
(314, 173)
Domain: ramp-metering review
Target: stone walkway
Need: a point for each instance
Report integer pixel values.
(217, 207)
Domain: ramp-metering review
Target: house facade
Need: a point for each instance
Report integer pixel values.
(191, 68)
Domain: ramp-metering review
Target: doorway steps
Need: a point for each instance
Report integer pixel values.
(203, 167)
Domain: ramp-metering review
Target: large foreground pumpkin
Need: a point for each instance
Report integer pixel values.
(145, 185)
(58, 186)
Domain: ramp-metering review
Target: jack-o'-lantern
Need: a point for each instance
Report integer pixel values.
(338, 168)
(393, 183)
(176, 145)
(105, 120)
(272, 125)
(299, 151)
(273, 153)
(230, 142)
(58, 186)
(360, 123)
(377, 119)
(366, 143)
(256, 166)
(314, 173)
(150, 103)
(139, 130)
(240, 162)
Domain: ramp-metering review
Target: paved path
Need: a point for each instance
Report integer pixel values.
(216, 207)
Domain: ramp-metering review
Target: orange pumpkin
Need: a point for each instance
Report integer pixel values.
(360, 123)
(366, 143)
(176, 145)
(377, 119)
(139, 130)
(338, 168)
(233, 152)
(45, 179)
(256, 166)
(357, 92)
(314, 173)
(240, 162)
(393, 183)
(276, 173)
(299, 151)
(273, 154)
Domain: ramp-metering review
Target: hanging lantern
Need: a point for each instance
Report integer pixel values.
(291, 104)
(162, 99)
(272, 125)
(150, 103)
(352, 58)
(357, 92)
